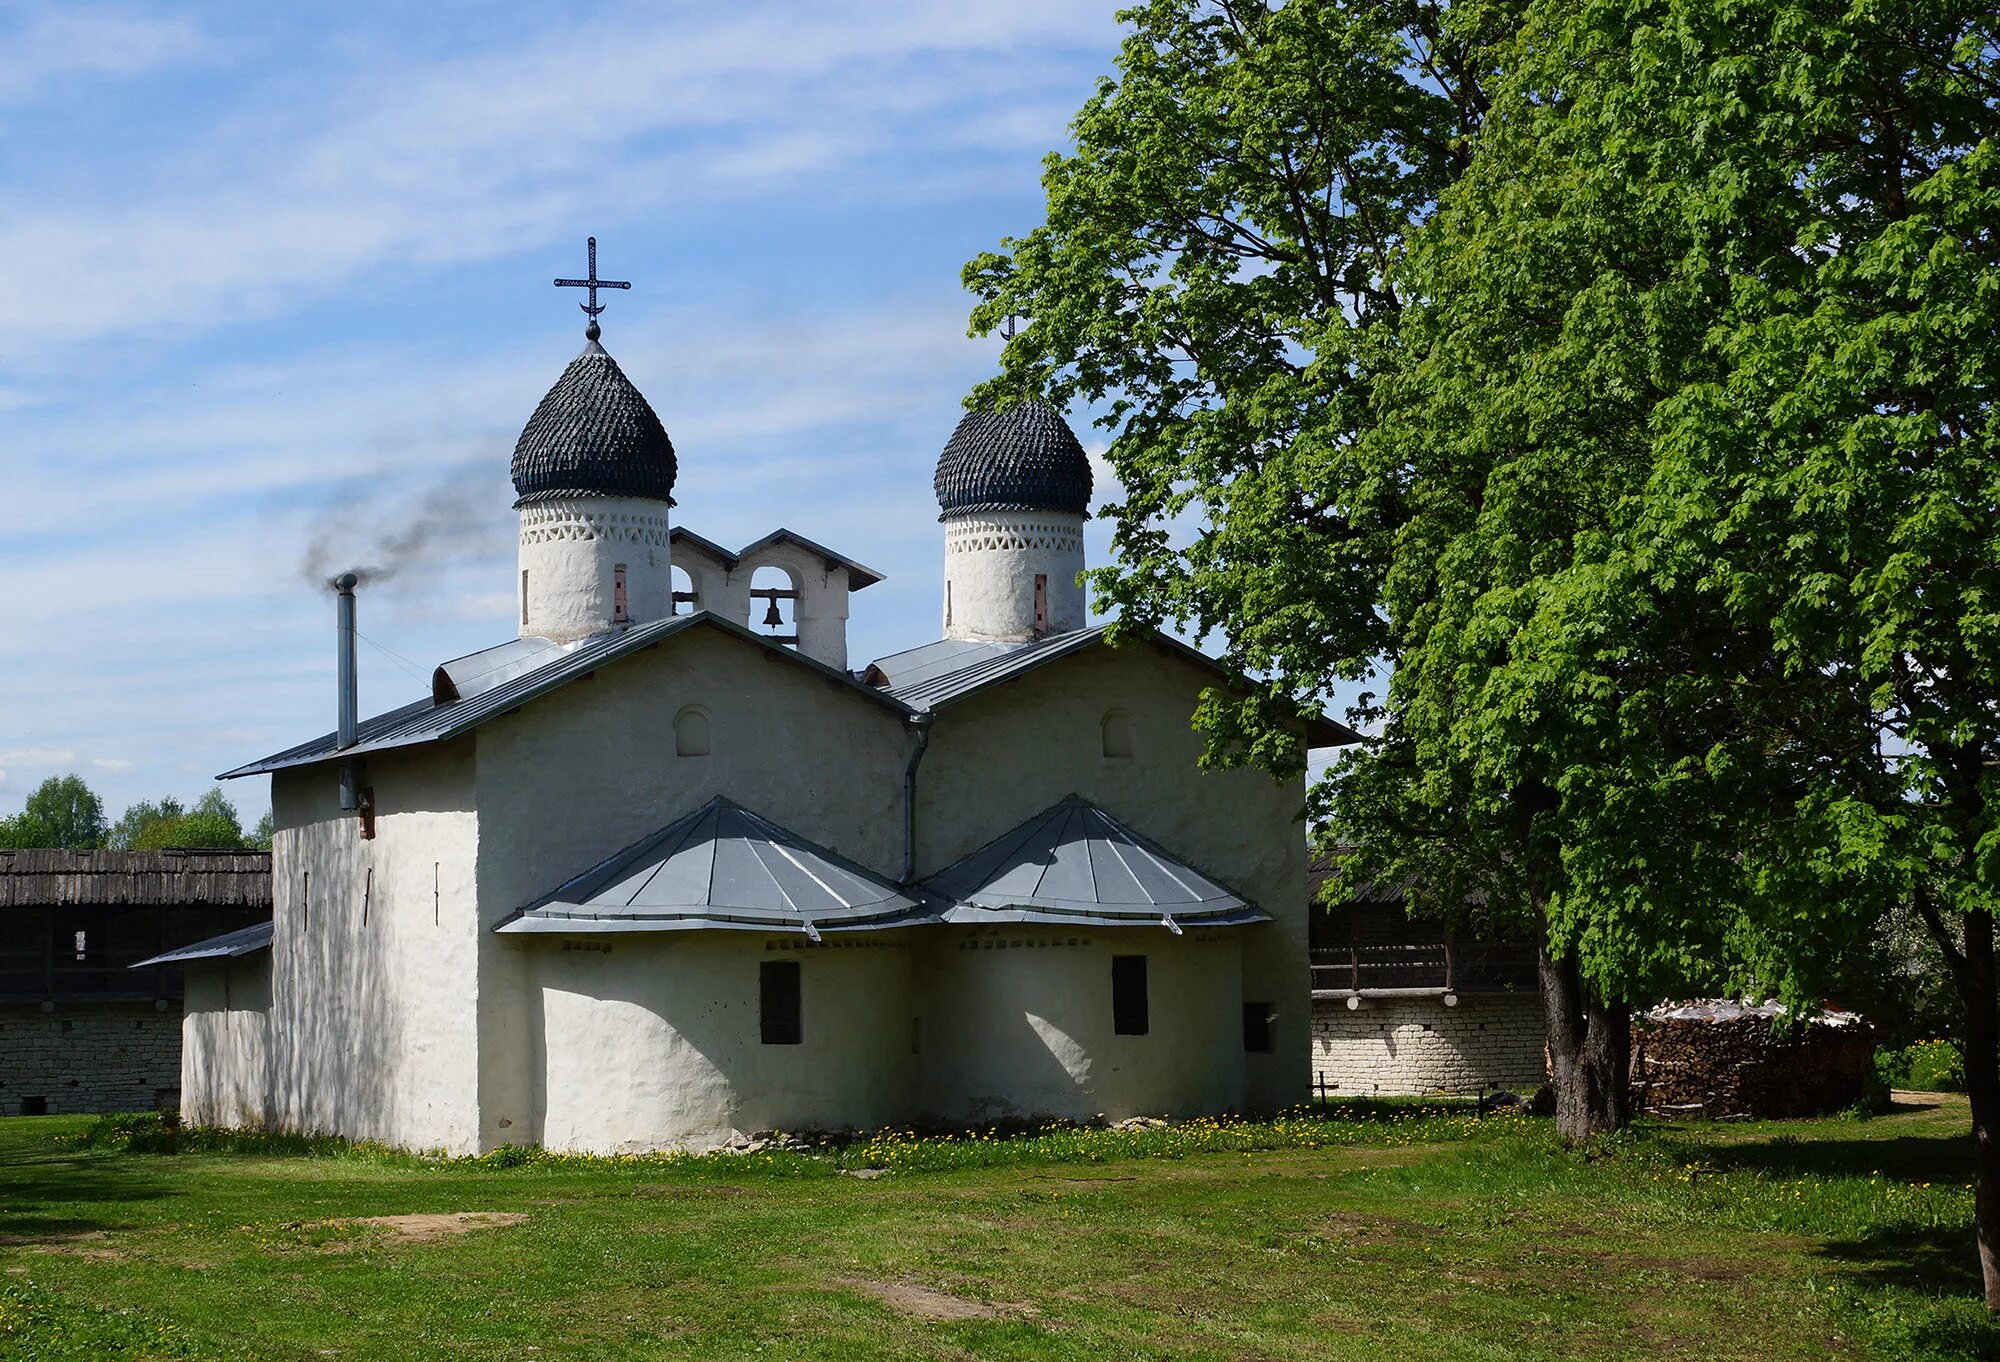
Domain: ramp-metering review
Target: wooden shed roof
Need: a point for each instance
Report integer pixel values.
(233, 879)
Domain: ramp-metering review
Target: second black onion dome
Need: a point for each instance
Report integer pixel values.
(594, 435)
(1023, 458)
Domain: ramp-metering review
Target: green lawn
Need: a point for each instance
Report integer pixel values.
(1407, 1235)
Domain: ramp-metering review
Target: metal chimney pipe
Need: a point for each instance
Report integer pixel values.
(343, 586)
(343, 738)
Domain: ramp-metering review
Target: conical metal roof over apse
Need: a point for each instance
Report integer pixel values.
(721, 866)
(1075, 863)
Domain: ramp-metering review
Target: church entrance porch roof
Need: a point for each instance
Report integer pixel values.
(721, 866)
(1075, 863)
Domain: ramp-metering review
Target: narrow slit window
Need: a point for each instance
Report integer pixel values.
(1257, 1019)
(1129, 1015)
(1041, 602)
(620, 612)
(524, 596)
(778, 1002)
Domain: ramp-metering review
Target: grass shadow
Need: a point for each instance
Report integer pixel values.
(1933, 1261)
(1904, 1158)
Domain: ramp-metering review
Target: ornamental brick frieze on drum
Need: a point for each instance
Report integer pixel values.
(549, 523)
(976, 537)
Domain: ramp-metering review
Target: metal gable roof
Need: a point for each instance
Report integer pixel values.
(935, 691)
(242, 941)
(427, 721)
(928, 661)
(1076, 863)
(858, 575)
(721, 866)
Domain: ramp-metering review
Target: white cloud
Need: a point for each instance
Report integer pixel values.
(503, 146)
(48, 45)
(38, 756)
(111, 763)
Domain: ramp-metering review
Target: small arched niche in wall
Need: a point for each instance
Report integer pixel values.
(1116, 730)
(691, 732)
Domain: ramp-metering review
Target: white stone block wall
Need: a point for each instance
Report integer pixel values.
(90, 1057)
(1418, 1046)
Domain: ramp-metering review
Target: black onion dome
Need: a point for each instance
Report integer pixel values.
(594, 435)
(1025, 458)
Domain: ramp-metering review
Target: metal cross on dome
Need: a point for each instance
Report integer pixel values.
(593, 307)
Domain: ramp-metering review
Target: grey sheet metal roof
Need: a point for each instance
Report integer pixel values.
(464, 677)
(899, 671)
(242, 941)
(1024, 458)
(859, 575)
(427, 721)
(680, 534)
(1076, 863)
(721, 866)
(594, 435)
(933, 690)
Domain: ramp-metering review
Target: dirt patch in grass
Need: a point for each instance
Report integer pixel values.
(927, 1302)
(429, 1227)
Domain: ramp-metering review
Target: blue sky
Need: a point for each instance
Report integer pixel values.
(278, 274)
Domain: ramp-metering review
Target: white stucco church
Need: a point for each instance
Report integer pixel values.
(665, 869)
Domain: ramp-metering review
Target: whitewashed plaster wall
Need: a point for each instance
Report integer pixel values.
(716, 590)
(653, 1041)
(569, 552)
(998, 758)
(590, 769)
(991, 561)
(374, 981)
(1017, 1023)
(225, 1032)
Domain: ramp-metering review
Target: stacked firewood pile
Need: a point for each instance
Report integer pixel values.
(1732, 1061)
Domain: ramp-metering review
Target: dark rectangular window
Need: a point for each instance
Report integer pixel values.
(1041, 603)
(619, 611)
(778, 1001)
(1257, 1028)
(1128, 995)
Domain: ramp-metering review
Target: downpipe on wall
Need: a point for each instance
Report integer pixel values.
(920, 724)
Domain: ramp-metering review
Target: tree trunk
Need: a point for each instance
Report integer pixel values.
(1982, 1085)
(1590, 1052)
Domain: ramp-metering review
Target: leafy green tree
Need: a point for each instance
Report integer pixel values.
(24, 830)
(168, 825)
(70, 810)
(1214, 260)
(211, 823)
(135, 822)
(1695, 433)
(261, 836)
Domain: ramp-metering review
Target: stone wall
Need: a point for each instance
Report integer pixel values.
(89, 1057)
(1414, 1046)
